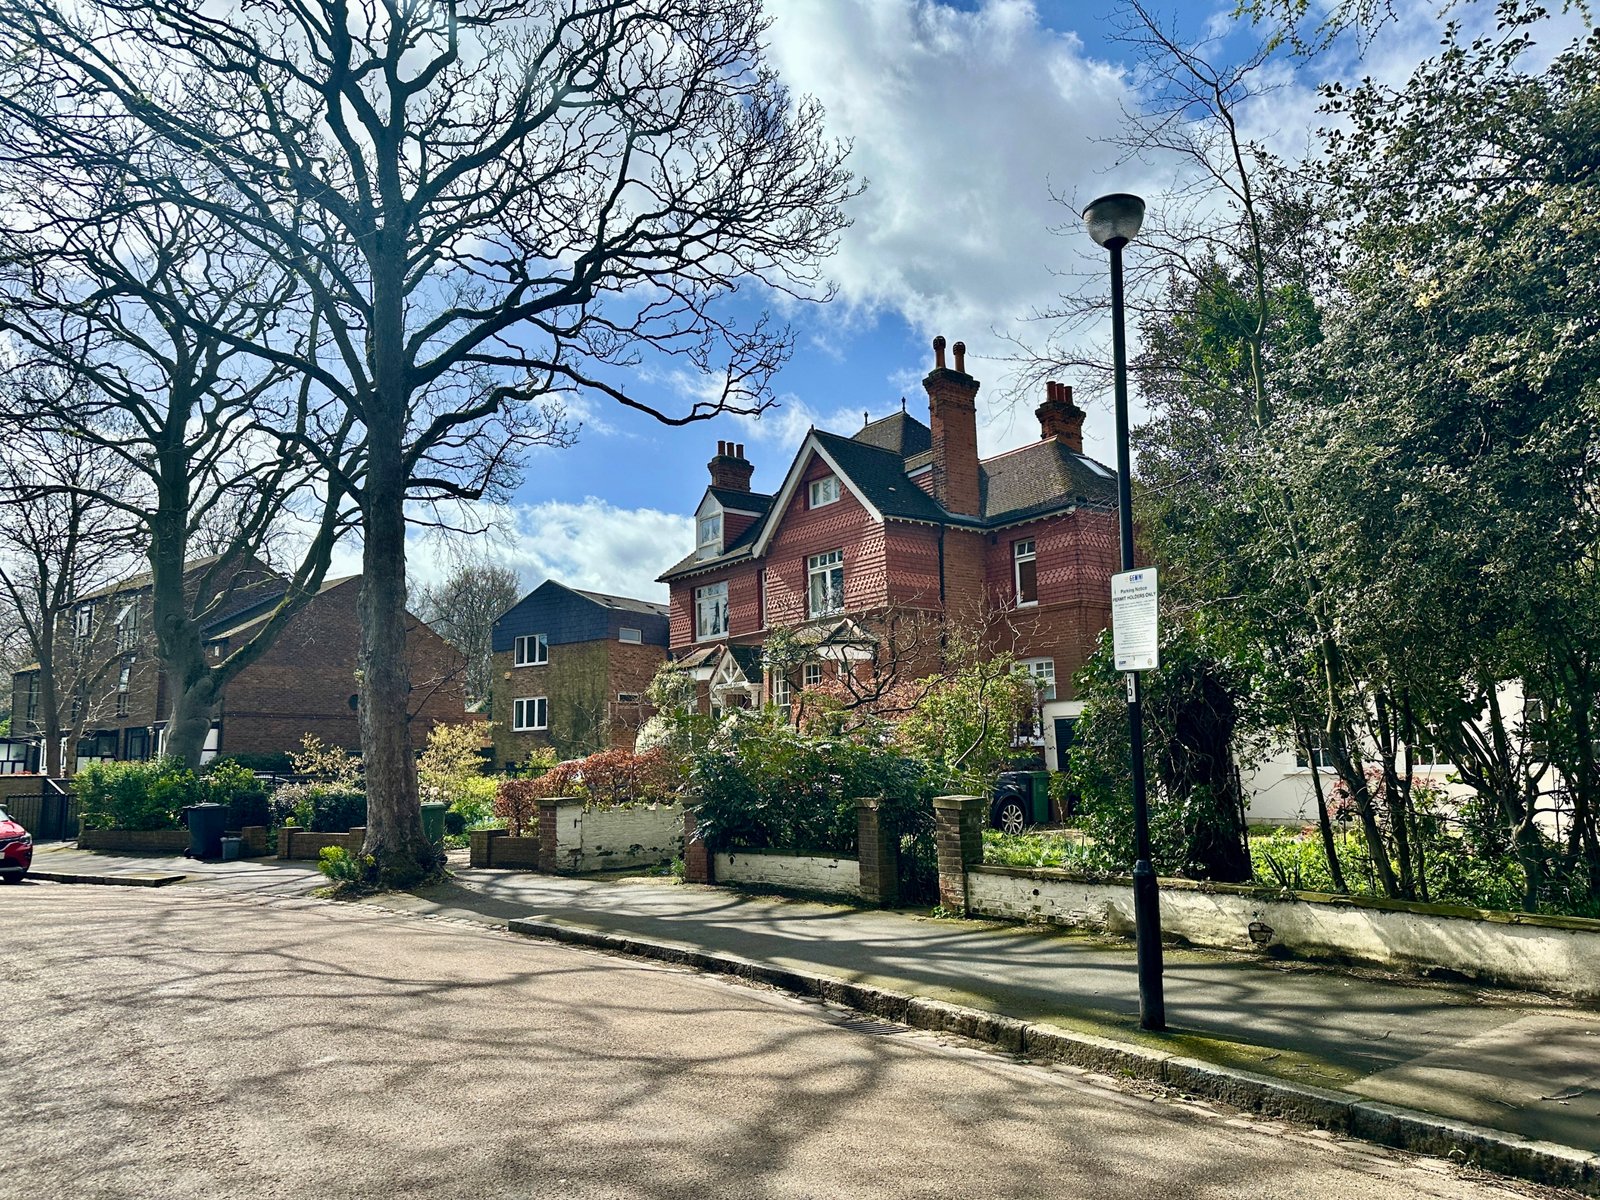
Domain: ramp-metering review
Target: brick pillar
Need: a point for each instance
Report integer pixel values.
(355, 841)
(286, 841)
(958, 835)
(878, 851)
(254, 838)
(696, 854)
(547, 835)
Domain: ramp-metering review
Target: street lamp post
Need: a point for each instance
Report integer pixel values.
(1113, 222)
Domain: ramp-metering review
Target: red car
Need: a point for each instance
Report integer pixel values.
(16, 849)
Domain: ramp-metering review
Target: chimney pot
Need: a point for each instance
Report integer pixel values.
(729, 469)
(961, 356)
(1060, 418)
(938, 353)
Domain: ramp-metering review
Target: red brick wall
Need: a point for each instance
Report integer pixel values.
(304, 682)
(952, 416)
(912, 554)
(733, 524)
(630, 669)
(843, 525)
(744, 609)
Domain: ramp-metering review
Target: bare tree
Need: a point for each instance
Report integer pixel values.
(463, 608)
(126, 318)
(59, 542)
(488, 203)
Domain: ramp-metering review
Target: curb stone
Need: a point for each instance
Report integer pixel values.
(145, 880)
(1546, 1163)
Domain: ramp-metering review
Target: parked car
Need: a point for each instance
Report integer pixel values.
(16, 849)
(1020, 799)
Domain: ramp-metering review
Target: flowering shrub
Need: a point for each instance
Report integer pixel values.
(516, 802)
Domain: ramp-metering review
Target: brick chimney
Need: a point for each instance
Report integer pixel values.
(953, 417)
(1060, 418)
(730, 469)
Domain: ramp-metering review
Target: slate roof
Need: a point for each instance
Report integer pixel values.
(741, 501)
(1041, 478)
(900, 432)
(625, 603)
(748, 658)
(1018, 485)
(880, 476)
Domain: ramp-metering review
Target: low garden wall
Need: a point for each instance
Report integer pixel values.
(162, 841)
(873, 875)
(572, 839)
(800, 872)
(1549, 954)
(294, 842)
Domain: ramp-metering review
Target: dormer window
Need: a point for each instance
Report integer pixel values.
(709, 543)
(824, 491)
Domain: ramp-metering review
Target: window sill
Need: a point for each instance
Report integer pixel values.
(1027, 604)
(519, 666)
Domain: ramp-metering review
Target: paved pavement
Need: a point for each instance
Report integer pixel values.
(228, 1039)
(1507, 1060)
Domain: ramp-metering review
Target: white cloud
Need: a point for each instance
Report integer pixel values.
(962, 124)
(589, 543)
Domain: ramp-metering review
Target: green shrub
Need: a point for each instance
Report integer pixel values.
(760, 783)
(346, 870)
(323, 807)
(136, 795)
(1040, 849)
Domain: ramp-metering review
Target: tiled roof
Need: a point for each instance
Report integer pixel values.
(749, 660)
(1040, 479)
(900, 432)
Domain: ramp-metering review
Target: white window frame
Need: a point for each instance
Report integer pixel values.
(1043, 672)
(1320, 755)
(811, 675)
(782, 693)
(629, 697)
(84, 622)
(1025, 550)
(708, 536)
(822, 492)
(824, 567)
(128, 626)
(711, 599)
(636, 640)
(529, 714)
(539, 655)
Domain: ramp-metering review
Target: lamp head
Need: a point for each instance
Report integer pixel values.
(1114, 220)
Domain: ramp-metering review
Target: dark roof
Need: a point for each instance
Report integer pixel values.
(737, 549)
(144, 578)
(743, 501)
(1039, 479)
(625, 603)
(880, 476)
(749, 660)
(900, 432)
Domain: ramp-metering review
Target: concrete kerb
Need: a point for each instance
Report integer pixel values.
(146, 881)
(1412, 1130)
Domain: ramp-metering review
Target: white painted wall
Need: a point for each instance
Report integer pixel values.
(604, 839)
(1560, 955)
(839, 876)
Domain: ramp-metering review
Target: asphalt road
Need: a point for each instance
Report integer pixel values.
(188, 1042)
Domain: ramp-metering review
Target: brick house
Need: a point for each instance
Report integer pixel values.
(304, 683)
(903, 517)
(570, 670)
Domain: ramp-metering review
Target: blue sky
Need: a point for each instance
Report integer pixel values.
(965, 118)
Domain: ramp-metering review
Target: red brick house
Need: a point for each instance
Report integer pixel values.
(304, 683)
(902, 516)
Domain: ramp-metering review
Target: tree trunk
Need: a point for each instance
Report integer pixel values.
(395, 839)
(50, 716)
(394, 815)
(1330, 849)
(189, 719)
